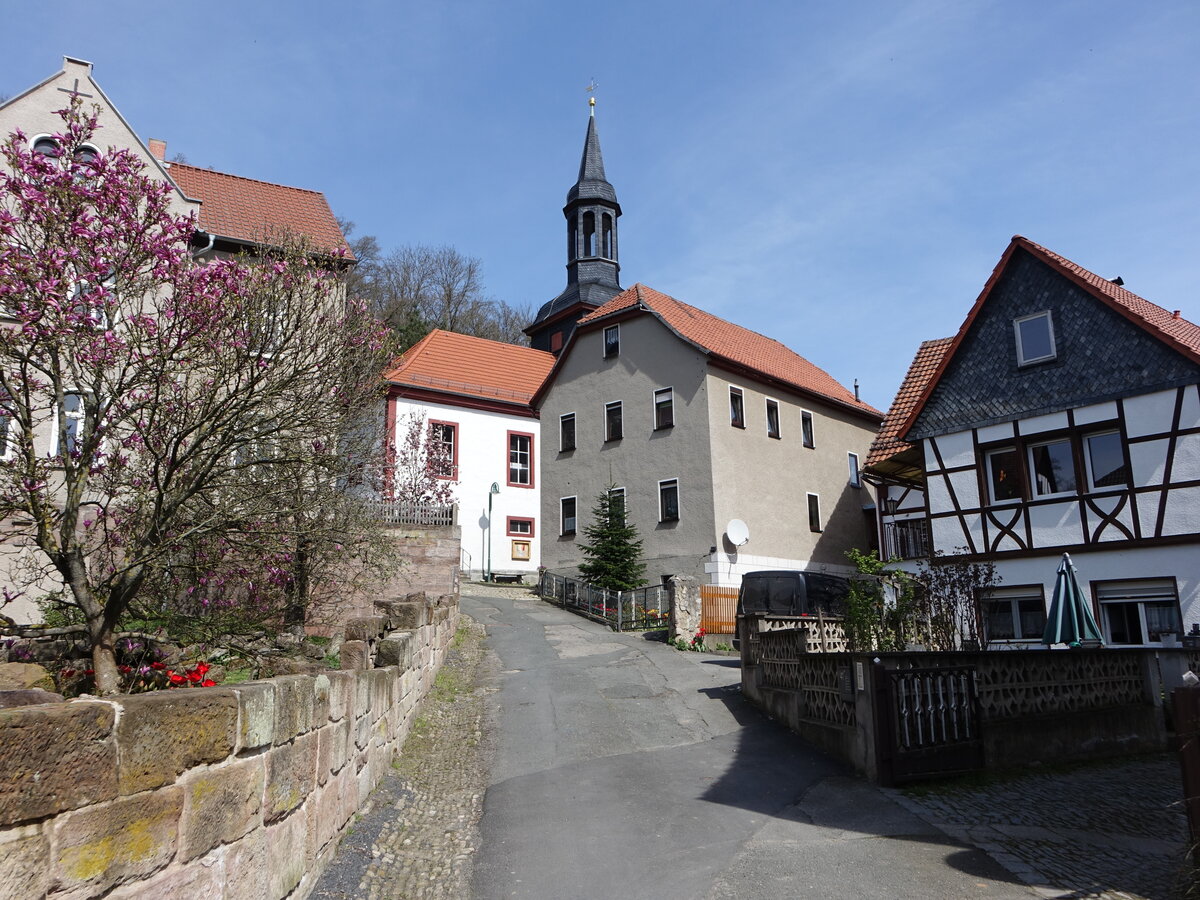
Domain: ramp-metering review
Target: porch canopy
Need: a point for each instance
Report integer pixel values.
(1070, 620)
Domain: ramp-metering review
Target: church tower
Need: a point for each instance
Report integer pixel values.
(593, 273)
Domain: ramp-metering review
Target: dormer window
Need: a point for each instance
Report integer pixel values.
(1035, 338)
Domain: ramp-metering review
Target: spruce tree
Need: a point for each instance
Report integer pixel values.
(613, 547)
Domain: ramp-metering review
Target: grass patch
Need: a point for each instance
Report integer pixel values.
(237, 676)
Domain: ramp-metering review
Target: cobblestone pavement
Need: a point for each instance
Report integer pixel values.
(1112, 831)
(417, 835)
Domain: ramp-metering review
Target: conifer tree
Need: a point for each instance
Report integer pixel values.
(613, 547)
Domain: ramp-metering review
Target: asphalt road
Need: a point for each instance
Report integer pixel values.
(626, 769)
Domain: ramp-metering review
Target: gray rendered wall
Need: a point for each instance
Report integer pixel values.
(765, 481)
(651, 357)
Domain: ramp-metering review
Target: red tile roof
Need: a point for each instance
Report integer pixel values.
(888, 442)
(257, 211)
(724, 341)
(472, 367)
(1169, 327)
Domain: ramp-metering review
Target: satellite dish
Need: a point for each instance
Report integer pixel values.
(737, 532)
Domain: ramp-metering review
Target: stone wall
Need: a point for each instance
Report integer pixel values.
(226, 792)
(431, 563)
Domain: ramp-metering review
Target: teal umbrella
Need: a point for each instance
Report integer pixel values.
(1070, 620)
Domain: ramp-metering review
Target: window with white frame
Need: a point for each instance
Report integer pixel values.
(72, 433)
(737, 408)
(7, 434)
(567, 515)
(668, 500)
(664, 409)
(1138, 611)
(612, 421)
(612, 341)
(520, 459)
(772, 418)
(1004, 475)
(1015, 613)
(1052, 468)
(566, 432)
(1035, 338)
(616, 504)
(806, 429)
(814, 512)
(852, 463)
(1104, 459)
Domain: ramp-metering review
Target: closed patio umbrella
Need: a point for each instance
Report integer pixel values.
(1070, 620)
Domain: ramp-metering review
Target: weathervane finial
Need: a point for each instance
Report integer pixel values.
(592, 85)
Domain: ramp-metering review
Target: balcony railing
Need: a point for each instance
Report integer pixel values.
(906, 539)
(395, 512)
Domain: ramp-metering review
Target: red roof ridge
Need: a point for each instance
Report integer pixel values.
(737, 345)
(288, 187)
(467, 365)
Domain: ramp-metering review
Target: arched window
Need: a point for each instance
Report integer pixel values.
(608, 237)
(589, 234)
(572, 240)
(47, 146)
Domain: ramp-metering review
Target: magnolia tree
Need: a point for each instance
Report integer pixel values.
(180, 436)
(424, 473)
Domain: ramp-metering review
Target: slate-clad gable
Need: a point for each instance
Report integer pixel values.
(1100, 356)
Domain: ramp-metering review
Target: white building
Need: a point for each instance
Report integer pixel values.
(1063, 417)
(474, 394)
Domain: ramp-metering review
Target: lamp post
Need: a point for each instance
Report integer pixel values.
(492, 492)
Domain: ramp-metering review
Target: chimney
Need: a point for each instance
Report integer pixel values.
(1175, 315)
(158, 149)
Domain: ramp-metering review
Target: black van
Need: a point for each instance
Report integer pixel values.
(786, 593)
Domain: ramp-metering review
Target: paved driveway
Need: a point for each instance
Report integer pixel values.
(626, 769)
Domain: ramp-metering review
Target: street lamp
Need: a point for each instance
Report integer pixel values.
(492, 492)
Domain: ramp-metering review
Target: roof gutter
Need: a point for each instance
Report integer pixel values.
(212, 239)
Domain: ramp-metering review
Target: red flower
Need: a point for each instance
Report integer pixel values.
(208, 682)
(202, 668)
(157, 665)
(175, 678)
(194, 676)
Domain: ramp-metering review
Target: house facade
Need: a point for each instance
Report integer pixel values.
(732, 452)
(473, 395)
(232, 214)
(1063, 417)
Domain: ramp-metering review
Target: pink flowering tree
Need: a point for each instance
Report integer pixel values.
(179, 436)
(424, 472)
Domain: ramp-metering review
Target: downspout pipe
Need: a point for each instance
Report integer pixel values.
(212, 239)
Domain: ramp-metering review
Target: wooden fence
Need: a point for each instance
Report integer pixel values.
(718, 608)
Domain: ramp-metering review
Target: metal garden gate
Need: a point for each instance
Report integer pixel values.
(926, 723)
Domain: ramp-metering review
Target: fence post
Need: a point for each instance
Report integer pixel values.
(1185, 702)
(619, 604)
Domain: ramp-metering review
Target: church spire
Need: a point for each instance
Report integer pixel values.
(593, 273)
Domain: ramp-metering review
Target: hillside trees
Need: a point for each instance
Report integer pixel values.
(177, 436)
(415, 289)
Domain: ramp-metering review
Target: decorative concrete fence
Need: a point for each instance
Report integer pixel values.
(226, 792)
(904, 716)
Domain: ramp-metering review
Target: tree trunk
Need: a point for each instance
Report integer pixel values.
(104, 662)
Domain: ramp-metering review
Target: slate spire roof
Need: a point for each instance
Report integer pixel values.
(732, 346)
(592, 184)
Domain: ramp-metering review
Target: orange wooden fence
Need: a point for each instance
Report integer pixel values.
(718, 608)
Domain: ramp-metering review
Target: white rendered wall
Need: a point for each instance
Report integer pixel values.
(483, 459)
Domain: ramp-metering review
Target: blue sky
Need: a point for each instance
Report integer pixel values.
(842, 177)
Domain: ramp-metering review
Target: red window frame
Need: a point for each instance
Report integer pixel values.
(508, 527)
(508, 459)
(453, 476)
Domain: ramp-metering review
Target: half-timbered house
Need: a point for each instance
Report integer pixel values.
(1063, 416)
